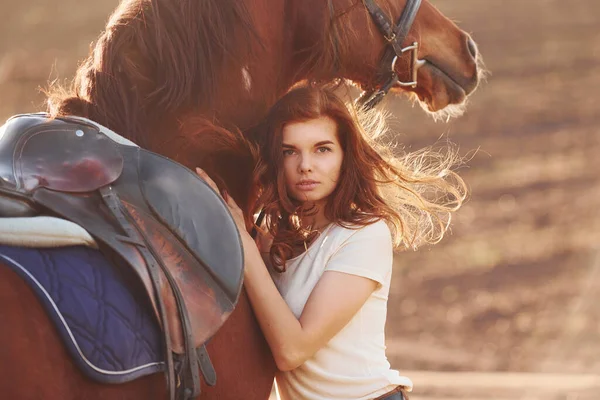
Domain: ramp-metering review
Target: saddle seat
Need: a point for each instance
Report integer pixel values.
(170, 227)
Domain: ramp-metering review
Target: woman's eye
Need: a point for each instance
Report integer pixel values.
(323, 149)
(288, 152)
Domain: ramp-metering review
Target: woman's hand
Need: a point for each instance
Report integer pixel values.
(264, 240)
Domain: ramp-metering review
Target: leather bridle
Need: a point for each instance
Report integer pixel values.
(395, 35)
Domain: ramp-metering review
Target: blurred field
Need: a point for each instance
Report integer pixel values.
(515, 286)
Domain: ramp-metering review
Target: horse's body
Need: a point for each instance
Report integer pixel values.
(167, 82)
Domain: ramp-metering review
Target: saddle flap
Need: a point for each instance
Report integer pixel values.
(67, 157)
(195, 213)
(207, 305)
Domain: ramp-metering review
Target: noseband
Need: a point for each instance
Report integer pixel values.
(395, 35)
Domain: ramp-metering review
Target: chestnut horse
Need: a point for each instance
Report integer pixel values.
(167, 74)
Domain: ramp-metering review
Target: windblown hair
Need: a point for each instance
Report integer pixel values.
(414, 193)
(156, 57)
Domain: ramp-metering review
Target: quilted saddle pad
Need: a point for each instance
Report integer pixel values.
(109, 330)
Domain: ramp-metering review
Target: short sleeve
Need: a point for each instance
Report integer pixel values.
(368, 252)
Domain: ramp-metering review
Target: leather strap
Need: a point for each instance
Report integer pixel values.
(133, 237)
(189, 369)
(395, 36)
(208, 371)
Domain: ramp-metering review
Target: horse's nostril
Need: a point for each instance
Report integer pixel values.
(472, 47)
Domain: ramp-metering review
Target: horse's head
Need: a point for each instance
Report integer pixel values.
(442, 68)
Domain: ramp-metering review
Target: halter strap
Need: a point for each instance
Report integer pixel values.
(394, 35)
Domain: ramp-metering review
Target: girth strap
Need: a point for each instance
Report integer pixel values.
(208, 371)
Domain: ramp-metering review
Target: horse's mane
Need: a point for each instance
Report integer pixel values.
(155, 58)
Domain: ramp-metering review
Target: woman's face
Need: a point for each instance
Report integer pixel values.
(312, 159)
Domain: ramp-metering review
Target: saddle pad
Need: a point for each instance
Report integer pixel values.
(43, 231)
(111, 334)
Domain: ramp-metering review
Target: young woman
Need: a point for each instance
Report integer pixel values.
(335, 207)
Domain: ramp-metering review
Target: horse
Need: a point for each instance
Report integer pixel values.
(178, 77)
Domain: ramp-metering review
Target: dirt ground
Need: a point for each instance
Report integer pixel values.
(515, 286)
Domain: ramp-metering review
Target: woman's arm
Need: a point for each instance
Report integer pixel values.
(336, 298)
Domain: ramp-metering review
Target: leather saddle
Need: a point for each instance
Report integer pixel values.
(169, 226)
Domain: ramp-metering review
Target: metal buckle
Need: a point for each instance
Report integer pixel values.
(414, 49)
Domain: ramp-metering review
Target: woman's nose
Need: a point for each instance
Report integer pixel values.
(305, 163)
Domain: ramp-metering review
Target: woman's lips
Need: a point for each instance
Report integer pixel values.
(307, 185)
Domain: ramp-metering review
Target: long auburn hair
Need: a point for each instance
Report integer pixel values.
(415, 193)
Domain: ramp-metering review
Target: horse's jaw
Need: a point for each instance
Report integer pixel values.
(442, 95)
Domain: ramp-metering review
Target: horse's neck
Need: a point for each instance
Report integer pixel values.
(283, 55)
(248, 88)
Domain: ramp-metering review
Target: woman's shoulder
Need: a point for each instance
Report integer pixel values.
(376, 229)
(365, 251)
(379, 228)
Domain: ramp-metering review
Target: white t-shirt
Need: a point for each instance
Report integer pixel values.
(353, 365)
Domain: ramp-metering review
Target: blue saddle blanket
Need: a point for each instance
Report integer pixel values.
(112, 334)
